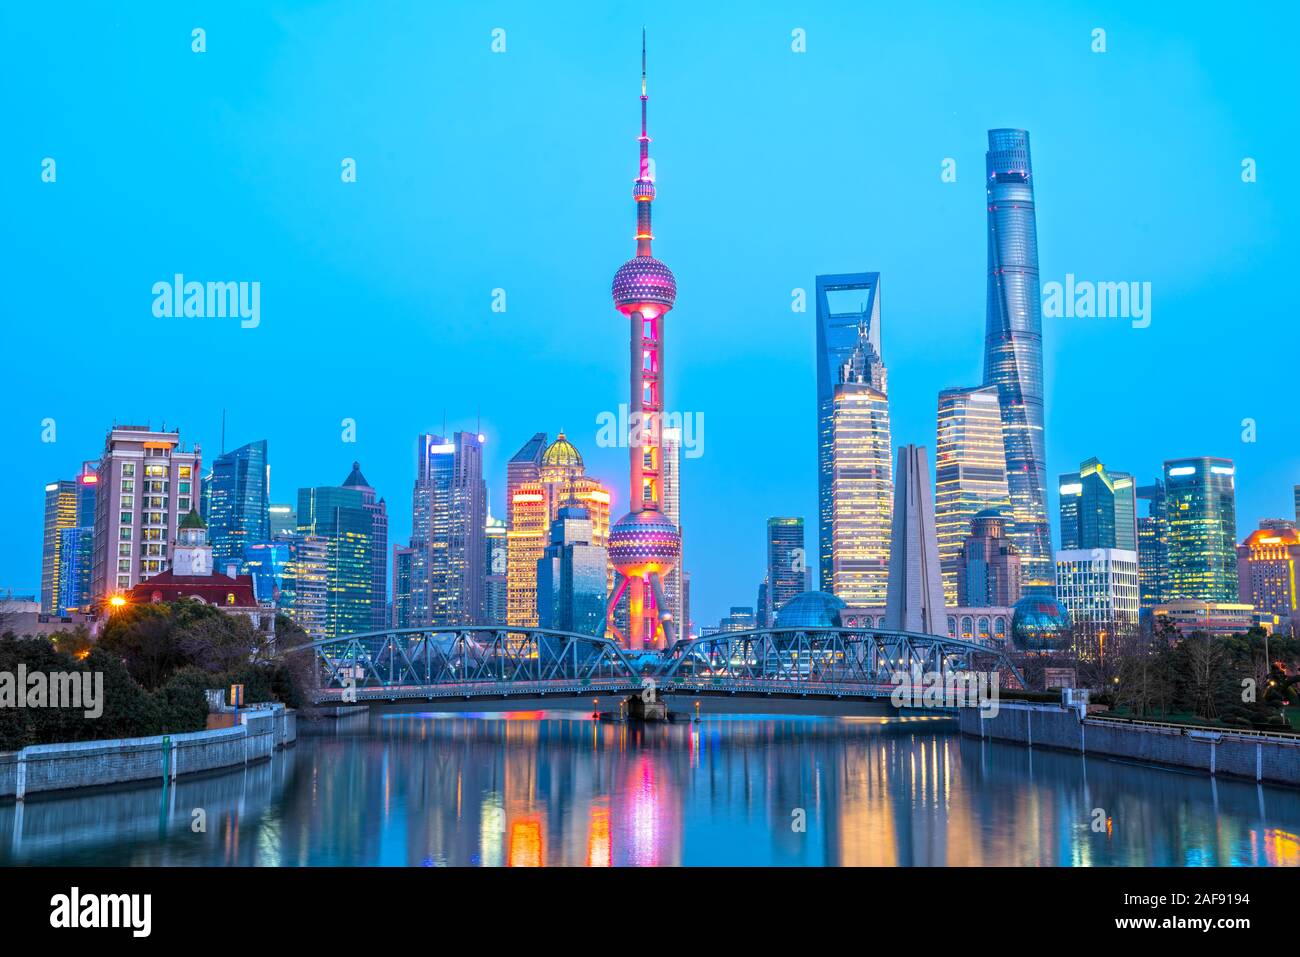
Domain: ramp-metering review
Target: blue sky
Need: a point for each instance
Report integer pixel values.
(479, 170)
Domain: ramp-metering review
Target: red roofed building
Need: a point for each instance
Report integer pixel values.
(191, 576)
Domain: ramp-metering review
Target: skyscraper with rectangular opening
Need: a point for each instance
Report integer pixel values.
(845, 302)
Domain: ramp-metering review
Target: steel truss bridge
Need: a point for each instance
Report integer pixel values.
(490, 662)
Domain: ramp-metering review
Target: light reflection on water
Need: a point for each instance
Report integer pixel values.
(556, 788)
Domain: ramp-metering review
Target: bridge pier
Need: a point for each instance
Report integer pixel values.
(638, 708)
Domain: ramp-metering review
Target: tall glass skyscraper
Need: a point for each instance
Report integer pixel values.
(69, 507)
(1013, 347)
(448, 534)
(354, 528)
(787, 574)
(1098, 508)
(237, 503)
(844, 302)
(970, 474)
(862, 487)
(1153, 545)
(1201, 515)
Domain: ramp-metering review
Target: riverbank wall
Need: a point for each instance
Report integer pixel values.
(1254, 757)
(81, 764)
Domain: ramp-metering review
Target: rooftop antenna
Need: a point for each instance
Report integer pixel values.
(223, 431)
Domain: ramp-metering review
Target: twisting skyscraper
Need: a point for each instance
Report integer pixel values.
(1013, 347)
(644, 544)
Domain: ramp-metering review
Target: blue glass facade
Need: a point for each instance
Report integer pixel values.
(571, 576)
(1013, 346)
(844, 301)
(236, 503)
(76, 546)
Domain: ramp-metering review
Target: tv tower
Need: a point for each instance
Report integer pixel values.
(644, 544)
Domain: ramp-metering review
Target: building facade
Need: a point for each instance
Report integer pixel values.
(571, 576)
(69, 523)
(1201, 518)
(970, 473)
(862, 487)
(146, 483)
(988, 566)
(1099, 588)
(786, 565)
(845, 302)
(495, 579)
(561, 480)
(1098, 508)
(1266, 572)
(237, 503)
(1153, 545)
(448, 547)
(1013, 346)
(352, 524)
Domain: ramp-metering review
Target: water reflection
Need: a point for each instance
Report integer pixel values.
(548, 789)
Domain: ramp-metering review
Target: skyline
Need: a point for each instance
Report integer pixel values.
(721, 330)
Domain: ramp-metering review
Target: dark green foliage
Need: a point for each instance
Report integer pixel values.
(157, 661)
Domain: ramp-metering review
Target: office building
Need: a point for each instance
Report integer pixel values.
(1201, 517)
(1266, 572)
(1013, 346)
(970, 473)
(1099, 588)
(146, 484)
(988, 566)
(69, 507)
(1098, 508)
(846, 302)
(571, 576)
(861, 480)
(786, 558)
(237, 507)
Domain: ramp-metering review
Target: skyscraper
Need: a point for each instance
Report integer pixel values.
(861, 480)
(146, 484)
(76, 547)
(237, 503)
(1153, 545)
(561, 480)
(786, 565)
(644, 544)
(352, 525)
(571, 576)
(1266, 570)
(1098, 508)
(447, 564)
(524, 466)
(69, 506)
(915, 599)
(378, 512)
(1013, 350)
(1098, 586)
(845, 303)
(970, 476)
(496, 580)
(988, 565)
(1201, 513)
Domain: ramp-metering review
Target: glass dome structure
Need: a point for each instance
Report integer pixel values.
(811, 609)
(1040, 624)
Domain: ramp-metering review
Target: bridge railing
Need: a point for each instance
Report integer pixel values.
(476, 660)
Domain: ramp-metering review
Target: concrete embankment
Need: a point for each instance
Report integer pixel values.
(1255, 757)
(80, 764)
